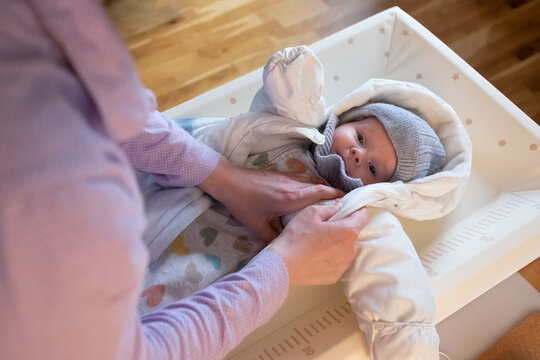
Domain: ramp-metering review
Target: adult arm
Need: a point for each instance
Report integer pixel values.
(73, 265)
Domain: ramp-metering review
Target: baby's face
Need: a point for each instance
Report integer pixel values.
(366, 150)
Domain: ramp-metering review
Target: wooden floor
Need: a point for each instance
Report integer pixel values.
(196, 45)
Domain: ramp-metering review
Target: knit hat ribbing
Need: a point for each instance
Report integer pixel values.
(419, 150)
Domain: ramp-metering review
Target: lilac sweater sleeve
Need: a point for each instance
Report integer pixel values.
(169, 153)
(220, 316)
(71, 271)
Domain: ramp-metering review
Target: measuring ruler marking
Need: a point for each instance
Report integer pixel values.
(288, 343)
(533, 203)
(502, 213)
(510, 205)
(445, 244)
(479, 227)
(489, 220)
(439, 248)
(321, 324)
(473, 230)
(494, 217)
(437, 253)
(516, 198)
(333, 317)
(466, 234)
(513, 204)
(460, 241)
(455, 242)
(298, 341)
(504, 210)
(519, 199)
(486, 222)
(327, 321)
(302, 336)
(267, 354)
(484, 229)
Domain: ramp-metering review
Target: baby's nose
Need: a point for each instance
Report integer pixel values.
(358, 155)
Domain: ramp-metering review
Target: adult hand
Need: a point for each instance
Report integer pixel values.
(315, 250)
(257, 197)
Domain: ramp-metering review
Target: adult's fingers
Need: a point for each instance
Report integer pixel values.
(355, 221)
(305, 178)
(323, 192)
(325, 212)
(309, 195)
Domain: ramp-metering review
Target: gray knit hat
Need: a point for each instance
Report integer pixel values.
(419, 150)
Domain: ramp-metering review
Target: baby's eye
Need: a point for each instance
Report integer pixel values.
(360, 139)
(372, 169)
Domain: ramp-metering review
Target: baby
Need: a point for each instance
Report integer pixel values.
(365, 145)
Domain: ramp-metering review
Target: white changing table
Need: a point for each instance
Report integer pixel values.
(495, 230)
